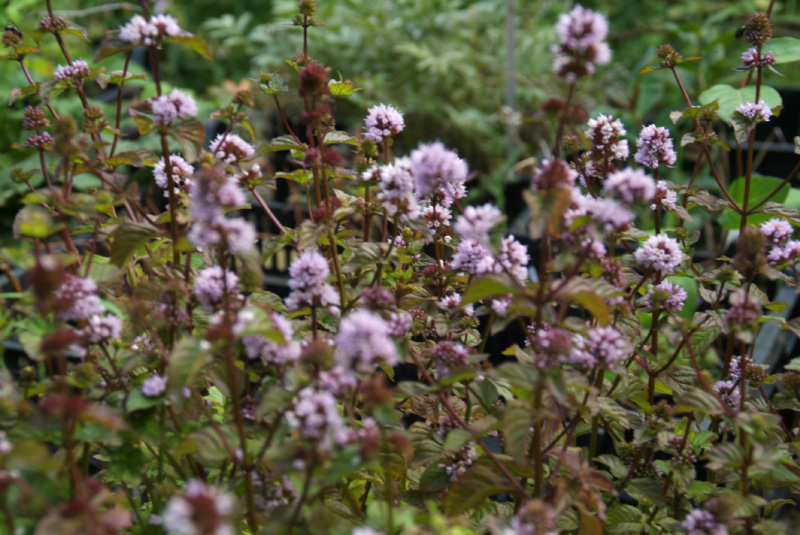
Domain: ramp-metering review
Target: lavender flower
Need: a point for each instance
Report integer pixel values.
(452, 302)
(154, 386)
(606, 344)
(383, 121)
(610, 214)
(751, 59)
(581, 34)
(72, 73)
(439, 173)
(760, 111)
(211, 285)
(669, 296)
(230, 148)
(101, 328)
(474, 258)
(581, 28)
(78, 299)
(665, 197)
(660, 253)
(364, 341)
(655, 147)
(550, 345)
(457, 463)
(315, 417)
(436, 217)
(268, 349)
(181, 172)
(631, 185)
(338, 380)
(512, 259)
(139, 30)
(366, 531)
(789, 252)
(776, 230)
(500, 306)
(35, 119)
(396, 183)
(399, 323)
(606, 134)
(41, 142)
(476, 222)
(700, 522)
(447, 355)
(201, 509)
(167, 108)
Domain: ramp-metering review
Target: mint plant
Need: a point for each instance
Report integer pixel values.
(422, 370)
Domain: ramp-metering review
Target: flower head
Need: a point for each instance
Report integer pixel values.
(180, 169)
(669, 296)
(101, 328)
(776, 230)
(660, 253)
(155, 385)
(140, 30)
(439, 173)
(72, 73)
(631, 185)
(364, 341)
(700, 522)
(230, 148)
(201, 510)
(760, 111)
(211, 285)
(315, 417)
(664, 197)
(655, 147)
(554, 174)
(383, 121)
(78, 299)
(396, 183)
(476, 222)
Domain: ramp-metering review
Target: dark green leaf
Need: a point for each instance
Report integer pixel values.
(730, 98)
(192, 42)
(127, 238)
(760, 188)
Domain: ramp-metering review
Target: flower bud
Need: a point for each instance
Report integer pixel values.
(758, 28)
(313, 81)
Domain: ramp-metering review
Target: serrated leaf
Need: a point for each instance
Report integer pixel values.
(337, 136)
(127, 238)
(479, 482)
(343, 88)
(516, 428)
(697, 399)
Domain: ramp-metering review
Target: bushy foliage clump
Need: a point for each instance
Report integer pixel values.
(422, 370)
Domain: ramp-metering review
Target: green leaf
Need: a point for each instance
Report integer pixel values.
(730, 98)
(479, 482)
(127, 238)
(785, 49)
(342, 88)
(280, 143)
(187, 360)
(301, 176)
(272, 84)
(337, 136)
(488, 286)
(697, 399)
(517, 420)
(615, 465)
(760, 188)
(36, 222)
(726, 455)
(192, 42)
(434, 479)
(138, 401)
(456, 439)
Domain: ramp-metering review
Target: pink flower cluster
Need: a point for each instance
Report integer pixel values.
(211, 286)
(167, 108)
(181, 172)
(140, 30)
(308, 274)
(72, 73)
(655, 147)
(382, 122)
(364, 341)
(776, 233)
(661, 254)
(581, 35)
